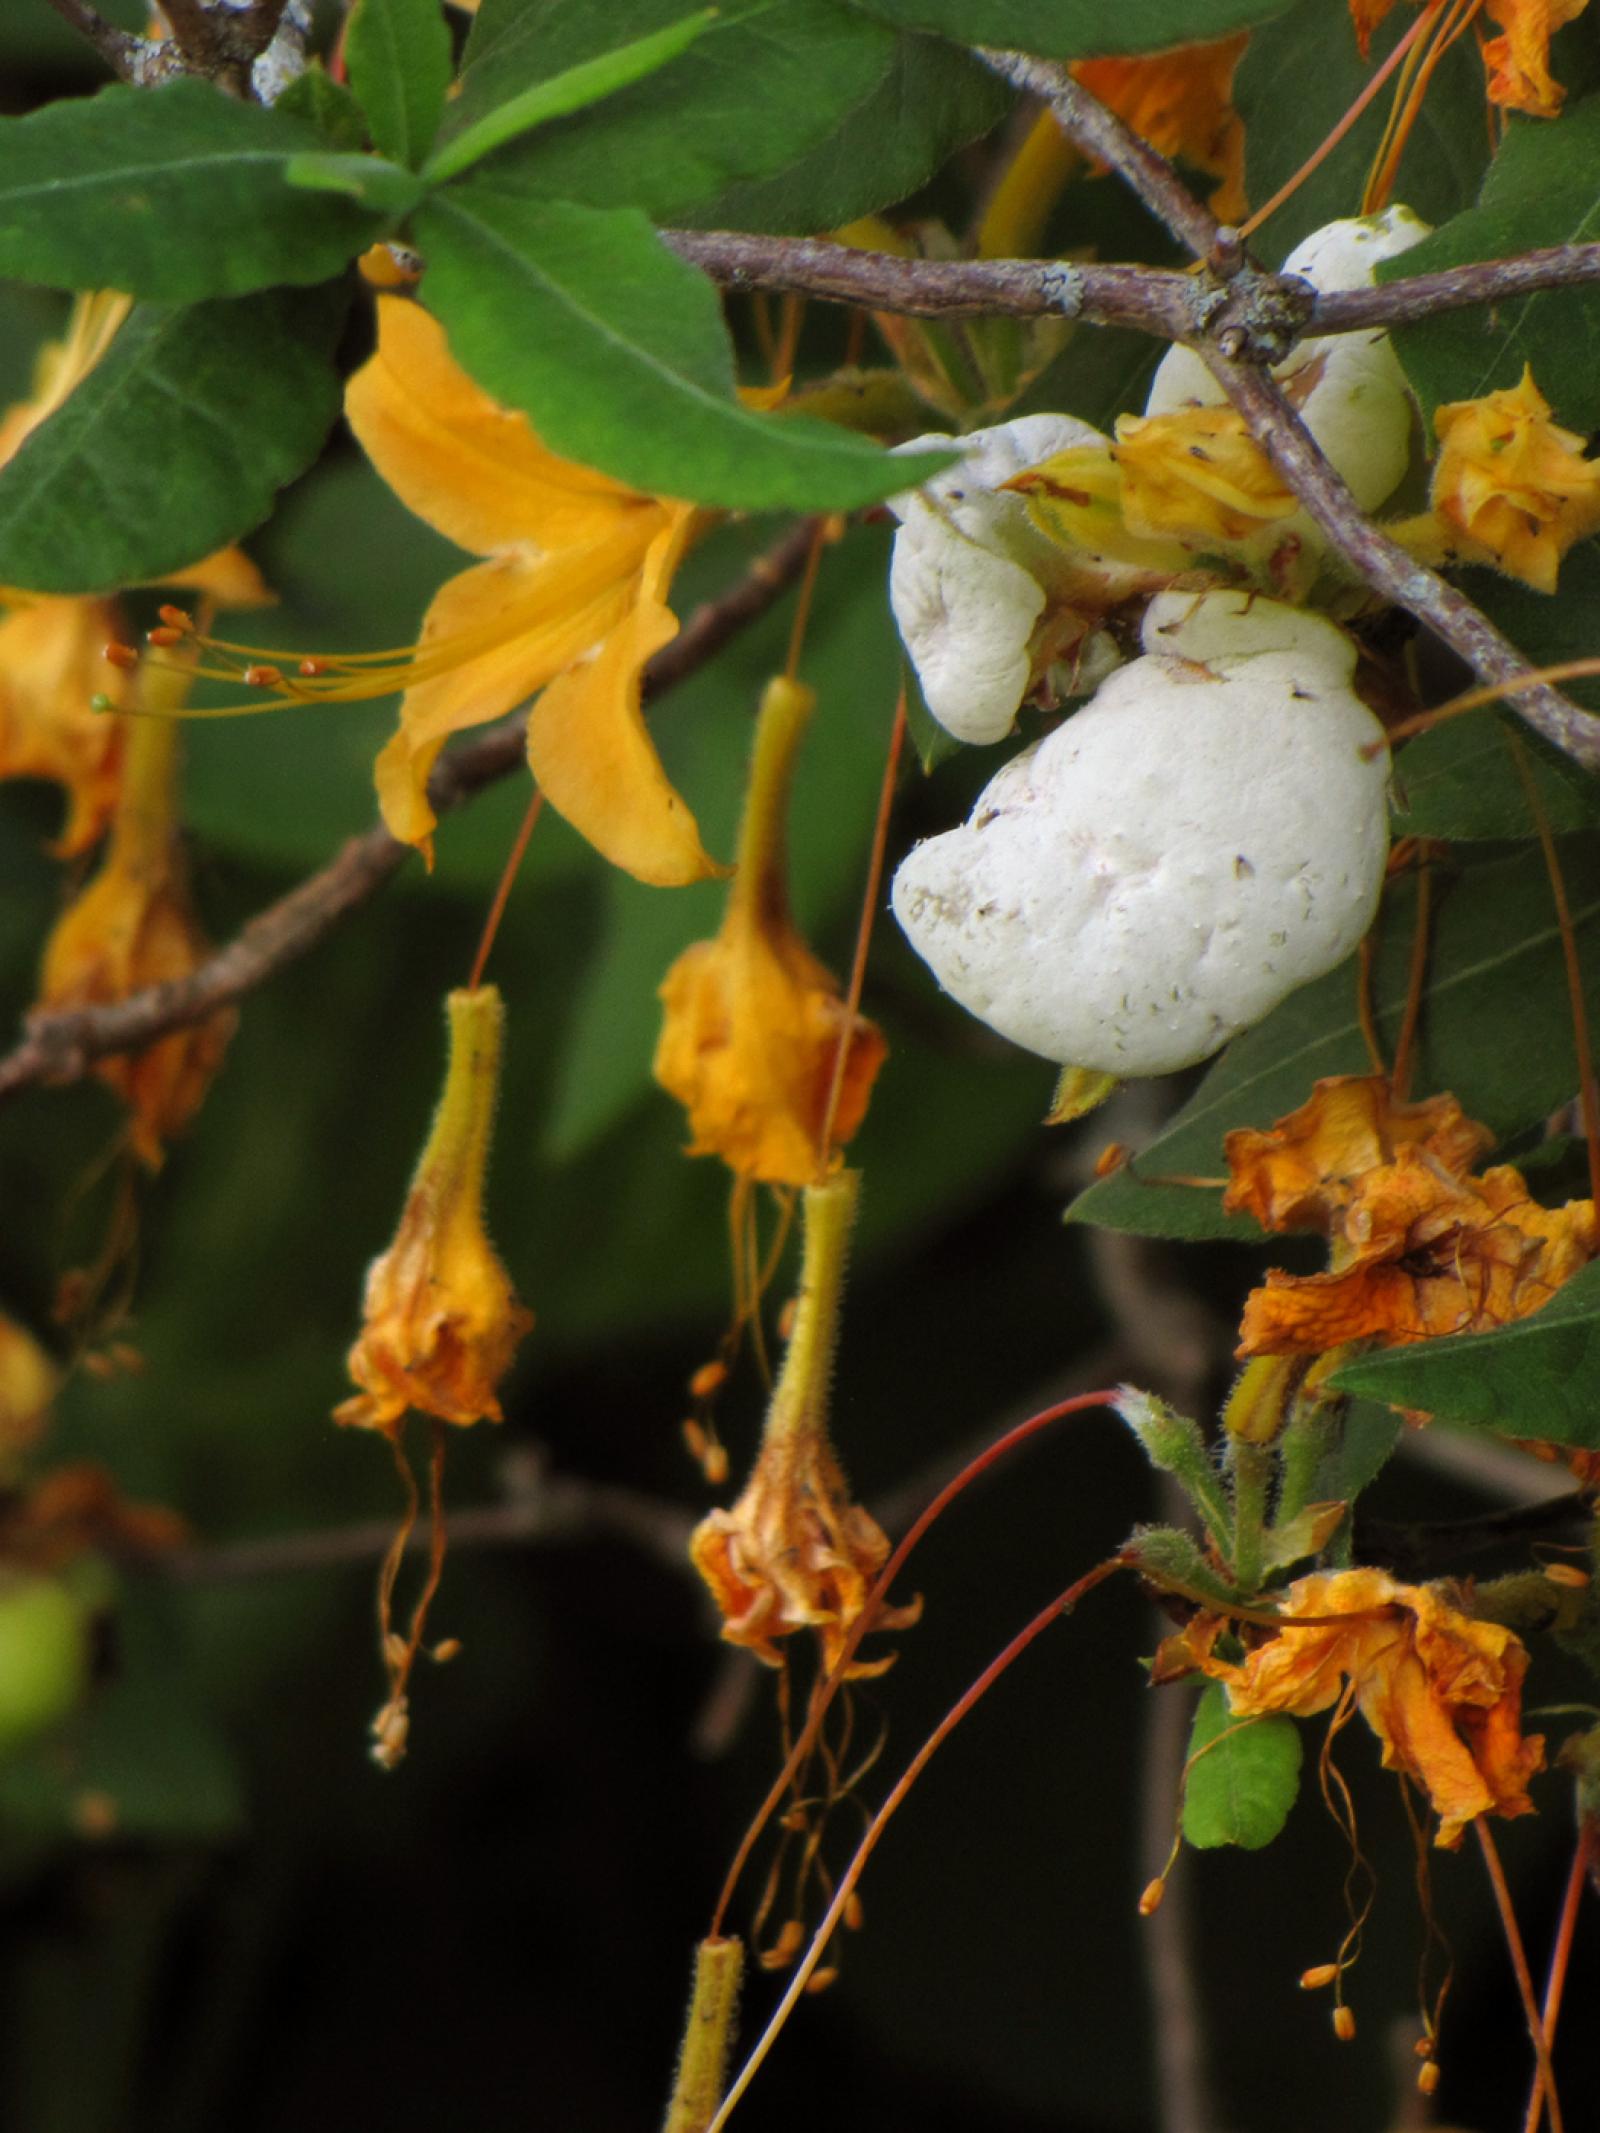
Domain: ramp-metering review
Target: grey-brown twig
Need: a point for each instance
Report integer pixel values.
(1481, 281)
(1102, 136)
(62, 1047)
(1389, 570)
(120, 49)
(1153, 300)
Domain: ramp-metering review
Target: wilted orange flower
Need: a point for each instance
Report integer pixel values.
(1198, 475)
(51, 669)
(134, 926)
(1303, 1172)
(753, 1022)
(1511, 487)
(1518, 61)
(568, 605)
(1442, 1692)
(441, 1321)
(1179, 103)
(794, 1552)
(1419, 1247)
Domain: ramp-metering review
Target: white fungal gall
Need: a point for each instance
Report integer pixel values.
(972, 576)
(1348, 387)
(1203, 837)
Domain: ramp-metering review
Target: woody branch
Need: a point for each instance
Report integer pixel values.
(62, 1047)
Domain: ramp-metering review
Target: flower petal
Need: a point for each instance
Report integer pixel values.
(472, 469)
(590, 749)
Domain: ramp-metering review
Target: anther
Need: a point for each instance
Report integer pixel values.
(167, 634)
(1566, 1574)
(820, 1980)
(312, 667)
(785, 1948)
(1112, 1157)
(263, 677)
(1150, 1901)
(445, 1650)
(1428, 2077)
(1317, 1976)
(708, 1379)
(854, 1916)
(176, 618)
(1344, 2023)
(120, 655)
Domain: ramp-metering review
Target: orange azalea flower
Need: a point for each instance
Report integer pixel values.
(1442, 1692)
(753, 1021)
(1303, 1172)
(1511, 487)
(568, 605)
(1518, 61)
(134, 926)
(1198, 475)
(441, 1320)
(1419, 1247)
(1179, 103)
(794, 1552)
(51, 670)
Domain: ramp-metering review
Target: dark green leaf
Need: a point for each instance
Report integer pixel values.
(1076, 29)
(617, 351)
(932, 101)
(326, 104)
(398, 54)
(1460, 781)
(1298, 77)
(172, 193)
(382, 186)
(1542, 188)
(1242, 1775)
(1495, 1029)
(574, 89)
(767, 84)
(175, 443)
(1536, 1378)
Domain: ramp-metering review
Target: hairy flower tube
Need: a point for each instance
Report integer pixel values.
(1203, 837)
(1511, 488)
(441, 1321)
(1442, 1691)
(794, 1552)
(1348, 387)
(987, 603)
(567, 605)
(753, 1023)
(134, 925)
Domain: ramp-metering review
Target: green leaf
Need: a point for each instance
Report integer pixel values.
(764, 86)
(172, 193)
(1298, 77)
(1536, 1378)
(382, 186)
(1542, 188)
(1495, 1029)
(1460, 782)
(574, 89)
(933, 100)
(1075, 29)
(398, 55)
(326, 104)
(1243, 1775)
(174, 444)
(618, 353)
